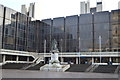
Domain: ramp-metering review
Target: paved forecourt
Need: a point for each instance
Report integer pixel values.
(7, 73)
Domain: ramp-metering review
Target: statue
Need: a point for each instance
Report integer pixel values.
(54, 54)
(54, 46)
(54, 63)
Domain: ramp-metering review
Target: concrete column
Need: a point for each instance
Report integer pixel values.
(76, 60)
(4, 57)
(27, 59)
(17, 58)
(110, 59)
(62, 59)
(79, 61)
(49, 59)
(92, 60)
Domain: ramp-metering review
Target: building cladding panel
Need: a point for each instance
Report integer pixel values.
(115, 21)
(58, 24)
(85, 18)
(31, 43)
(9, 29)
(101, 28)
(21, 32)
(40, 38)
(58, 32)
(71, 33)
(1, 24)
(85, 32)
(47, 33)
(101, 17)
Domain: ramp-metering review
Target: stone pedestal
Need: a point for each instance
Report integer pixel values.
(54, 65)
(54, 68)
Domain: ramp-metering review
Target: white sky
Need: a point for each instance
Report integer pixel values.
(58, 8)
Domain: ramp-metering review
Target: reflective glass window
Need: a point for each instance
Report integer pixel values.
(85, 32)
(71, 30)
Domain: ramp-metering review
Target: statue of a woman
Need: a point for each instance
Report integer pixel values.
(54, 54)
(54, 46)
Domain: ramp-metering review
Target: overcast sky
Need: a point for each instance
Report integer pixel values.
(58, 8)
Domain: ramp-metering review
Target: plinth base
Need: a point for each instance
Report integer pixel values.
(53, 68)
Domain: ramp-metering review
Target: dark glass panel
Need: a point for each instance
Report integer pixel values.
(71, 33)
(101, 17)
(86, 32)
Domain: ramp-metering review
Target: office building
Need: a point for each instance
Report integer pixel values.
(31, 10)
(119, 5)
(84, 7)
(17, 31)
(115, 23)
(22, 39)
(24, 9)
(99, 6)
(28, 11)
(72, 33)
(93, 10)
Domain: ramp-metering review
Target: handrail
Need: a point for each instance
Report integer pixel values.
(84, 53)
(64, 53)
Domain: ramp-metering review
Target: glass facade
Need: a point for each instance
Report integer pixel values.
(71, 33)
(9, 28)
(39, 36)
(21, 32)
(101, 28)
(47, 34)
(86, 32)
(115, 22)
(58, 32)
(1, 24)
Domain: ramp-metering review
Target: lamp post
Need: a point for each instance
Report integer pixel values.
(100, 47)
(79, 50)
(44, 49)
(61, 49)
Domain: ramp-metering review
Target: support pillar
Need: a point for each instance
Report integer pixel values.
(76, 60)
(4, 57)
(79, 61)
(62, 59)
(27, 59)
(92, 60)
(110, 60)
(49, 59)
(17, 58)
